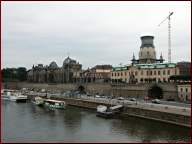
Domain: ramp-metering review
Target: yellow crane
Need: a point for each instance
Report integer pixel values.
(169, 34)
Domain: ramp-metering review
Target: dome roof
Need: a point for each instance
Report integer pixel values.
(53, 65)
(68, 60)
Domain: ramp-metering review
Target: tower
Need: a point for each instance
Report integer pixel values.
(147, 52)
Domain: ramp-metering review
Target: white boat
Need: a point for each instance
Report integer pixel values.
(38, 101)
(55, 104)
(104, 111)
(14, 95)
(101, 108)
(18, 97)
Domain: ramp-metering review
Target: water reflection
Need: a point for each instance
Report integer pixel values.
(150, 131)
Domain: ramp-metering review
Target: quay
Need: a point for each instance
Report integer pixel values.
(169, 114)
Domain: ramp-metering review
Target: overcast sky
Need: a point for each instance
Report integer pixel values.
(91, 32)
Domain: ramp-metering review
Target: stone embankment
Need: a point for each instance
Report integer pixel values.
(169, 114)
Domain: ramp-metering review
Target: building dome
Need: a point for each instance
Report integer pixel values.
(68, 60)
(53, 65)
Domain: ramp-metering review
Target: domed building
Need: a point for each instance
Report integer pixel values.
(68, 72)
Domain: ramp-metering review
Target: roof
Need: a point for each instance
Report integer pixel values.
(147, 66)
(103, 67)
(50, 100)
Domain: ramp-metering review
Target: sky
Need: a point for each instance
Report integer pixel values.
(93, 33)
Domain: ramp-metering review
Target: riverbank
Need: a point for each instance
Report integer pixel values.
(182, 118)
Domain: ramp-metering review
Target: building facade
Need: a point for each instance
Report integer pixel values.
(144, 73)
(184, 92)
(99, 73)
(69, 72)
(185, 68)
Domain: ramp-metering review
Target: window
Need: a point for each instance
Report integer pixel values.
(181, 89)
(154, 72)
(136, 73)
(147, 73)
(163, 72)
(115, 74)
(186, 90)
(125, 73)
(118, 74)
(121, 74)
(159, 72)
(112, 74)
(168, 72)
(150, 72)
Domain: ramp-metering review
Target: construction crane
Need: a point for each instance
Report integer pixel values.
(169, 34)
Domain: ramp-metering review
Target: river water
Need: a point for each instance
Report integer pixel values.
(25, 122)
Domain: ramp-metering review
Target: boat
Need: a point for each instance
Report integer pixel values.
(18, 97)
(14, 95)
(103, 111)
(108, 112)
(38, 101)
(55, 104)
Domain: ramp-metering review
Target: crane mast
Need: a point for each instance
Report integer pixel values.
(169, 35)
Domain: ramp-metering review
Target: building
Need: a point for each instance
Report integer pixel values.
(147, 68)
(144, 73)
(99, 73)
(69, 72)
(184, 92)
(184, 67)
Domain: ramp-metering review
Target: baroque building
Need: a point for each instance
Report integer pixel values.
(69, 72)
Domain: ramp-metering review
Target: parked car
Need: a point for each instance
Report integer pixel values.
(97, 96)
(132, 99)
(157, 101)
(170, 99)
(120, 98)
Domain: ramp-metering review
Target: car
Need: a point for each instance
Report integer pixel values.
(132, 99)
(170, 99)
(97, 96)
(157, 101)
(120, 98)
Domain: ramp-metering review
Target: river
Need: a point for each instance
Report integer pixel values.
(25, 122)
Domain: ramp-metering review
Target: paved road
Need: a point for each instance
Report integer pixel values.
(169, 103)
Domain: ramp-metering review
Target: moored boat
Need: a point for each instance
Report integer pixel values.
(38, 101)
(55, 104)
(13, 95)
(104, 111)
